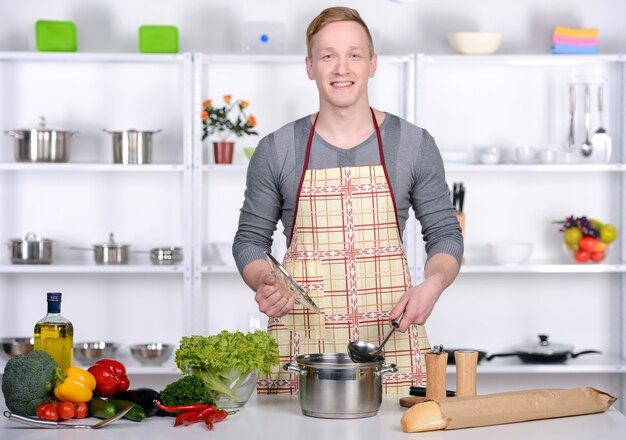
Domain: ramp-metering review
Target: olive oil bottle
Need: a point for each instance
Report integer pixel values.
(54, 334)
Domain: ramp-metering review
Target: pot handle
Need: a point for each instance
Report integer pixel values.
(491, 356)
(14, 134)
(294, 368)
(585, 352)
(391, 368)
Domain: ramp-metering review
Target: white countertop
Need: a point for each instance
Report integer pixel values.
(279, 417)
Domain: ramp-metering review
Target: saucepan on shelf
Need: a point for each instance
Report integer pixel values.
(30, 249)
(41, 144)
(132, 146)
(109, 252)
(544, 352)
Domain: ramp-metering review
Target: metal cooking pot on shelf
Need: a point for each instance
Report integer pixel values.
(332, 386)
(30, 249)
(544, 352)
(166, 255)
(41, 144)
(132, 146)
(109, 252)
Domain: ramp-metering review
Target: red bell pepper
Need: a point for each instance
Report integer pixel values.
(110, 377)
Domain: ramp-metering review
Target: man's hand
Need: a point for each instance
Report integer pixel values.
(274, 299)
(418, 302)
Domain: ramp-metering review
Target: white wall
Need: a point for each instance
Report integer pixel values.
(214, 26)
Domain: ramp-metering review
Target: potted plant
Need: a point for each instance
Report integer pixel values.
(226, 120)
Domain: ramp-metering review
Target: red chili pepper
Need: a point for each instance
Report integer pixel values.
(215, 417)
(180, 418)
(110, 377)
(199, 416)
(183, 408)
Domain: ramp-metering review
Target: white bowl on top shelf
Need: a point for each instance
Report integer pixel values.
(510, 253)
(475, 43)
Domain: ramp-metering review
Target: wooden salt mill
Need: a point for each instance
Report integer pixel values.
(466, 363)
(436, 362)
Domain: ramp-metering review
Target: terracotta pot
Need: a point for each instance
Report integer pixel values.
(223, 152)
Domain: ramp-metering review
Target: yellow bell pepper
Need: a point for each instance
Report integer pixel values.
(76, 386)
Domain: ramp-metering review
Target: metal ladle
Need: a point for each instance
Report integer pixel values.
(361, 351)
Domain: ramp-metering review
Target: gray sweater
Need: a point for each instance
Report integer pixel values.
(414, 166)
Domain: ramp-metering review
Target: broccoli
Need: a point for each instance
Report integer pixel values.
(185, 391)
(28, 380)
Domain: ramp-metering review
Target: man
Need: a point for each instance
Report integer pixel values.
(342, 181)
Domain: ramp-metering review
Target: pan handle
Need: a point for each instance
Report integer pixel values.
(491, 356)
(585, 352)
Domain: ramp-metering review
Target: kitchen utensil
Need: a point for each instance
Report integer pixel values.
(421, 392)
(489, 155)
(299, 294)
(571, 139)
(14, 346)
(332, 386)
(166, 255)
(466, 364)
(436, 361)
(41, 144)
(600, 140)
(361, 351)
(451, 351)
(38, 423)
(475, 43)
(30, 249)
(586, 147)
(151, 354)
(132, 146)
(88, 352)
(111, 252)
(544, 352)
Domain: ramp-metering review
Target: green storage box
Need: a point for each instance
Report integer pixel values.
(55, 36)
(158, 39)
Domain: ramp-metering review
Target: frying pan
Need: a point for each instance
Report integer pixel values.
(544, 352)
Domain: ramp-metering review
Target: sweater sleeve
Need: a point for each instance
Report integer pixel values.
(261, 208)
(430, 199)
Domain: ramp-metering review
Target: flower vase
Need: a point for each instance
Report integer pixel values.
(223, 152)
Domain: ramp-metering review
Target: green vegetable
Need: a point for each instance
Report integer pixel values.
(101, 408)
(185, 391)
(216, 359)
(28, 380)
(136, 414)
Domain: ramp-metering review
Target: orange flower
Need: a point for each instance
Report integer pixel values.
(204, 116)
(207, 103)
(251, 121)
(227, 99)
(243, 104)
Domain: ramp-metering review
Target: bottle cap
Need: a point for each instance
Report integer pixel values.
(54, 297)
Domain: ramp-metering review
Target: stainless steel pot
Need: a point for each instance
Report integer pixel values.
(166, 255)
(333, 386)
(111, 252)
(132, 146)
(41, 144)
(30, 249)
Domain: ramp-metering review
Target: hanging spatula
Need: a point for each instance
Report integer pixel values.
(601, 140)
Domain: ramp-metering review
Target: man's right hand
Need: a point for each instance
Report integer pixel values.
(275, 301)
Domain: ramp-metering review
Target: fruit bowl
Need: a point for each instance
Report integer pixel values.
(586, 240)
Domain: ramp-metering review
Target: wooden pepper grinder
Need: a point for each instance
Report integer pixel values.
(436, 361)
(466, 362)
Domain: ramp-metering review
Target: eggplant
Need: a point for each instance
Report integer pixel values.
(144, 397)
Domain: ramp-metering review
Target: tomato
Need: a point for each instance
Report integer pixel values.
(46, 411)
(596, 257)
(582, 256)
(81, 410)
(592, 244)
(66, 410)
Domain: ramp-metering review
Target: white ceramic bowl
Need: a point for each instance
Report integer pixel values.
(525, 155)
(489, 155)
(510, 253)
(475, 43)
(547, 156)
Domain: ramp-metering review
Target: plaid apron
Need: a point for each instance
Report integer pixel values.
(346, 251)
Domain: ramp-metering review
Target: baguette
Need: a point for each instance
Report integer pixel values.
(425, 416)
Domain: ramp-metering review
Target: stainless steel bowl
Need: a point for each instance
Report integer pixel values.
(41, 144)
(166, 255)
(14, 346)
(88, 352)
(132, 146)
(30, 249)
(151, 354)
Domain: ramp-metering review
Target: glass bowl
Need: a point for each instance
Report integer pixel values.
(238, 388)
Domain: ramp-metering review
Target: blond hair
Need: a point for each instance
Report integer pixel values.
(332, 15)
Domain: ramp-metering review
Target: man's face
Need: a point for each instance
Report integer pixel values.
(341, 64)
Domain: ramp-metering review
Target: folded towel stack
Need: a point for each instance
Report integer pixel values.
(574, 41)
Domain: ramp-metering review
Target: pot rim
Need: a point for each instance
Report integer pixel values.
(341, 361)
(132, 130)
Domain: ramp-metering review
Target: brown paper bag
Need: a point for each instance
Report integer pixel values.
(500, 408)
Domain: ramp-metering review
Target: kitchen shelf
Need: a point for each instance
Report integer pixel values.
(78, 167)
(219, 268)
(543, 268)
(587, 364)
(521, 60)
(93, 57)
(551, 168)
(234, 168)
(93, 269)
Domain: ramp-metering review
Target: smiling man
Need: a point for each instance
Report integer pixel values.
(342, 181)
